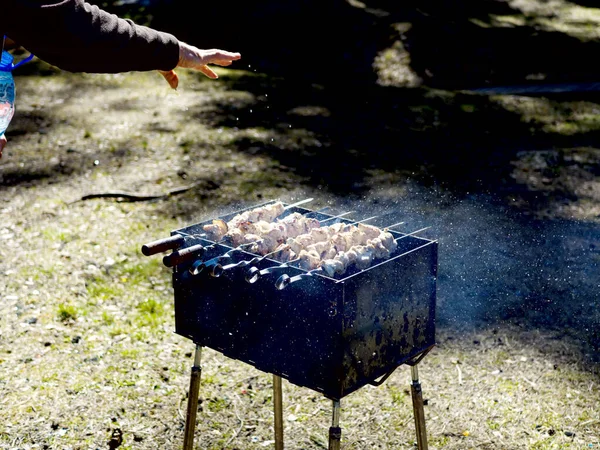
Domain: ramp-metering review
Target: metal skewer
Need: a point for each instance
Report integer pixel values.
(395, 225)
(214, 263)
(412, 233)
(285, 280)
(339, 216)
(301, 202)
(364, 220)
(217, 269)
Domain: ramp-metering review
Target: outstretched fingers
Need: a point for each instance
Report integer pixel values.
(208, 72)
(171, 77)
(214, 55)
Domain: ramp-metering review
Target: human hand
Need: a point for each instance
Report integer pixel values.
(2, 144)
(191, 57)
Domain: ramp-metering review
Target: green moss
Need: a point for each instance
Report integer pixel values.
(56, 235)
(217, 404)
(398, 395)
(151, 313)
(107, 319)
(118, 330)
(507, 385)
(492, 425)
(66, 312)
(142, 270)
(130, 353)
(101, 289)
(439, 441)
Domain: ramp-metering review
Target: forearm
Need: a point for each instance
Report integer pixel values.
(80, 37)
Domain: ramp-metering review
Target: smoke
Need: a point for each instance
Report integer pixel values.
(497, 266)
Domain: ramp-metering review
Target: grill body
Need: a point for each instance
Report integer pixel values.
(329, 335)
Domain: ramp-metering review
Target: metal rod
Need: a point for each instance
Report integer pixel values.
(278, 411)
(335, 432)
(339, 216)
(301, 202)
(395, 225)
(190, 420)
(365, 220)
(412, 233)
(419, 412)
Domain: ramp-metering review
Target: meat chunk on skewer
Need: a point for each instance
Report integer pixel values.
(309, 260)
(274, 234)
(216, 230)
(333, 261)
(369, 230)
(314, 236)
(219, 228)
(267, 213)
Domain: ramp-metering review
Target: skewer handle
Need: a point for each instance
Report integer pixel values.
(162, 245)
(186, 254)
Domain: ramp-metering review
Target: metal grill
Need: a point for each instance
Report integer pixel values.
(329, 333)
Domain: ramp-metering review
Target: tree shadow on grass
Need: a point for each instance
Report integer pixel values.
(451, 45)
(337, 138)
(453, 52)
(60, 148)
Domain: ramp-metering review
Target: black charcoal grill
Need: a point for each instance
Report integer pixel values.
(331, 334)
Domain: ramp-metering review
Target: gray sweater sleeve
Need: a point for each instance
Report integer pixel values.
(79, 37)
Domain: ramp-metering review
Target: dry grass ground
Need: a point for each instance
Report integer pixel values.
(86, 322)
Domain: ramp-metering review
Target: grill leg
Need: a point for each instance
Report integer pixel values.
(335, 432)
(417, 398)
(278, 409)
(190, 420)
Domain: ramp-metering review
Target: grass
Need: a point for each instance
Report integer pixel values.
(86, 335)
(66, 313)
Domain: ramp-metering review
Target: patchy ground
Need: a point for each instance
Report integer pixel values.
(86, 322)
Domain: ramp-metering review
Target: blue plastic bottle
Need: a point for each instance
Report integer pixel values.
(7, 89)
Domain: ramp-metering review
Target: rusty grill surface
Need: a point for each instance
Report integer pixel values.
(330, 334)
